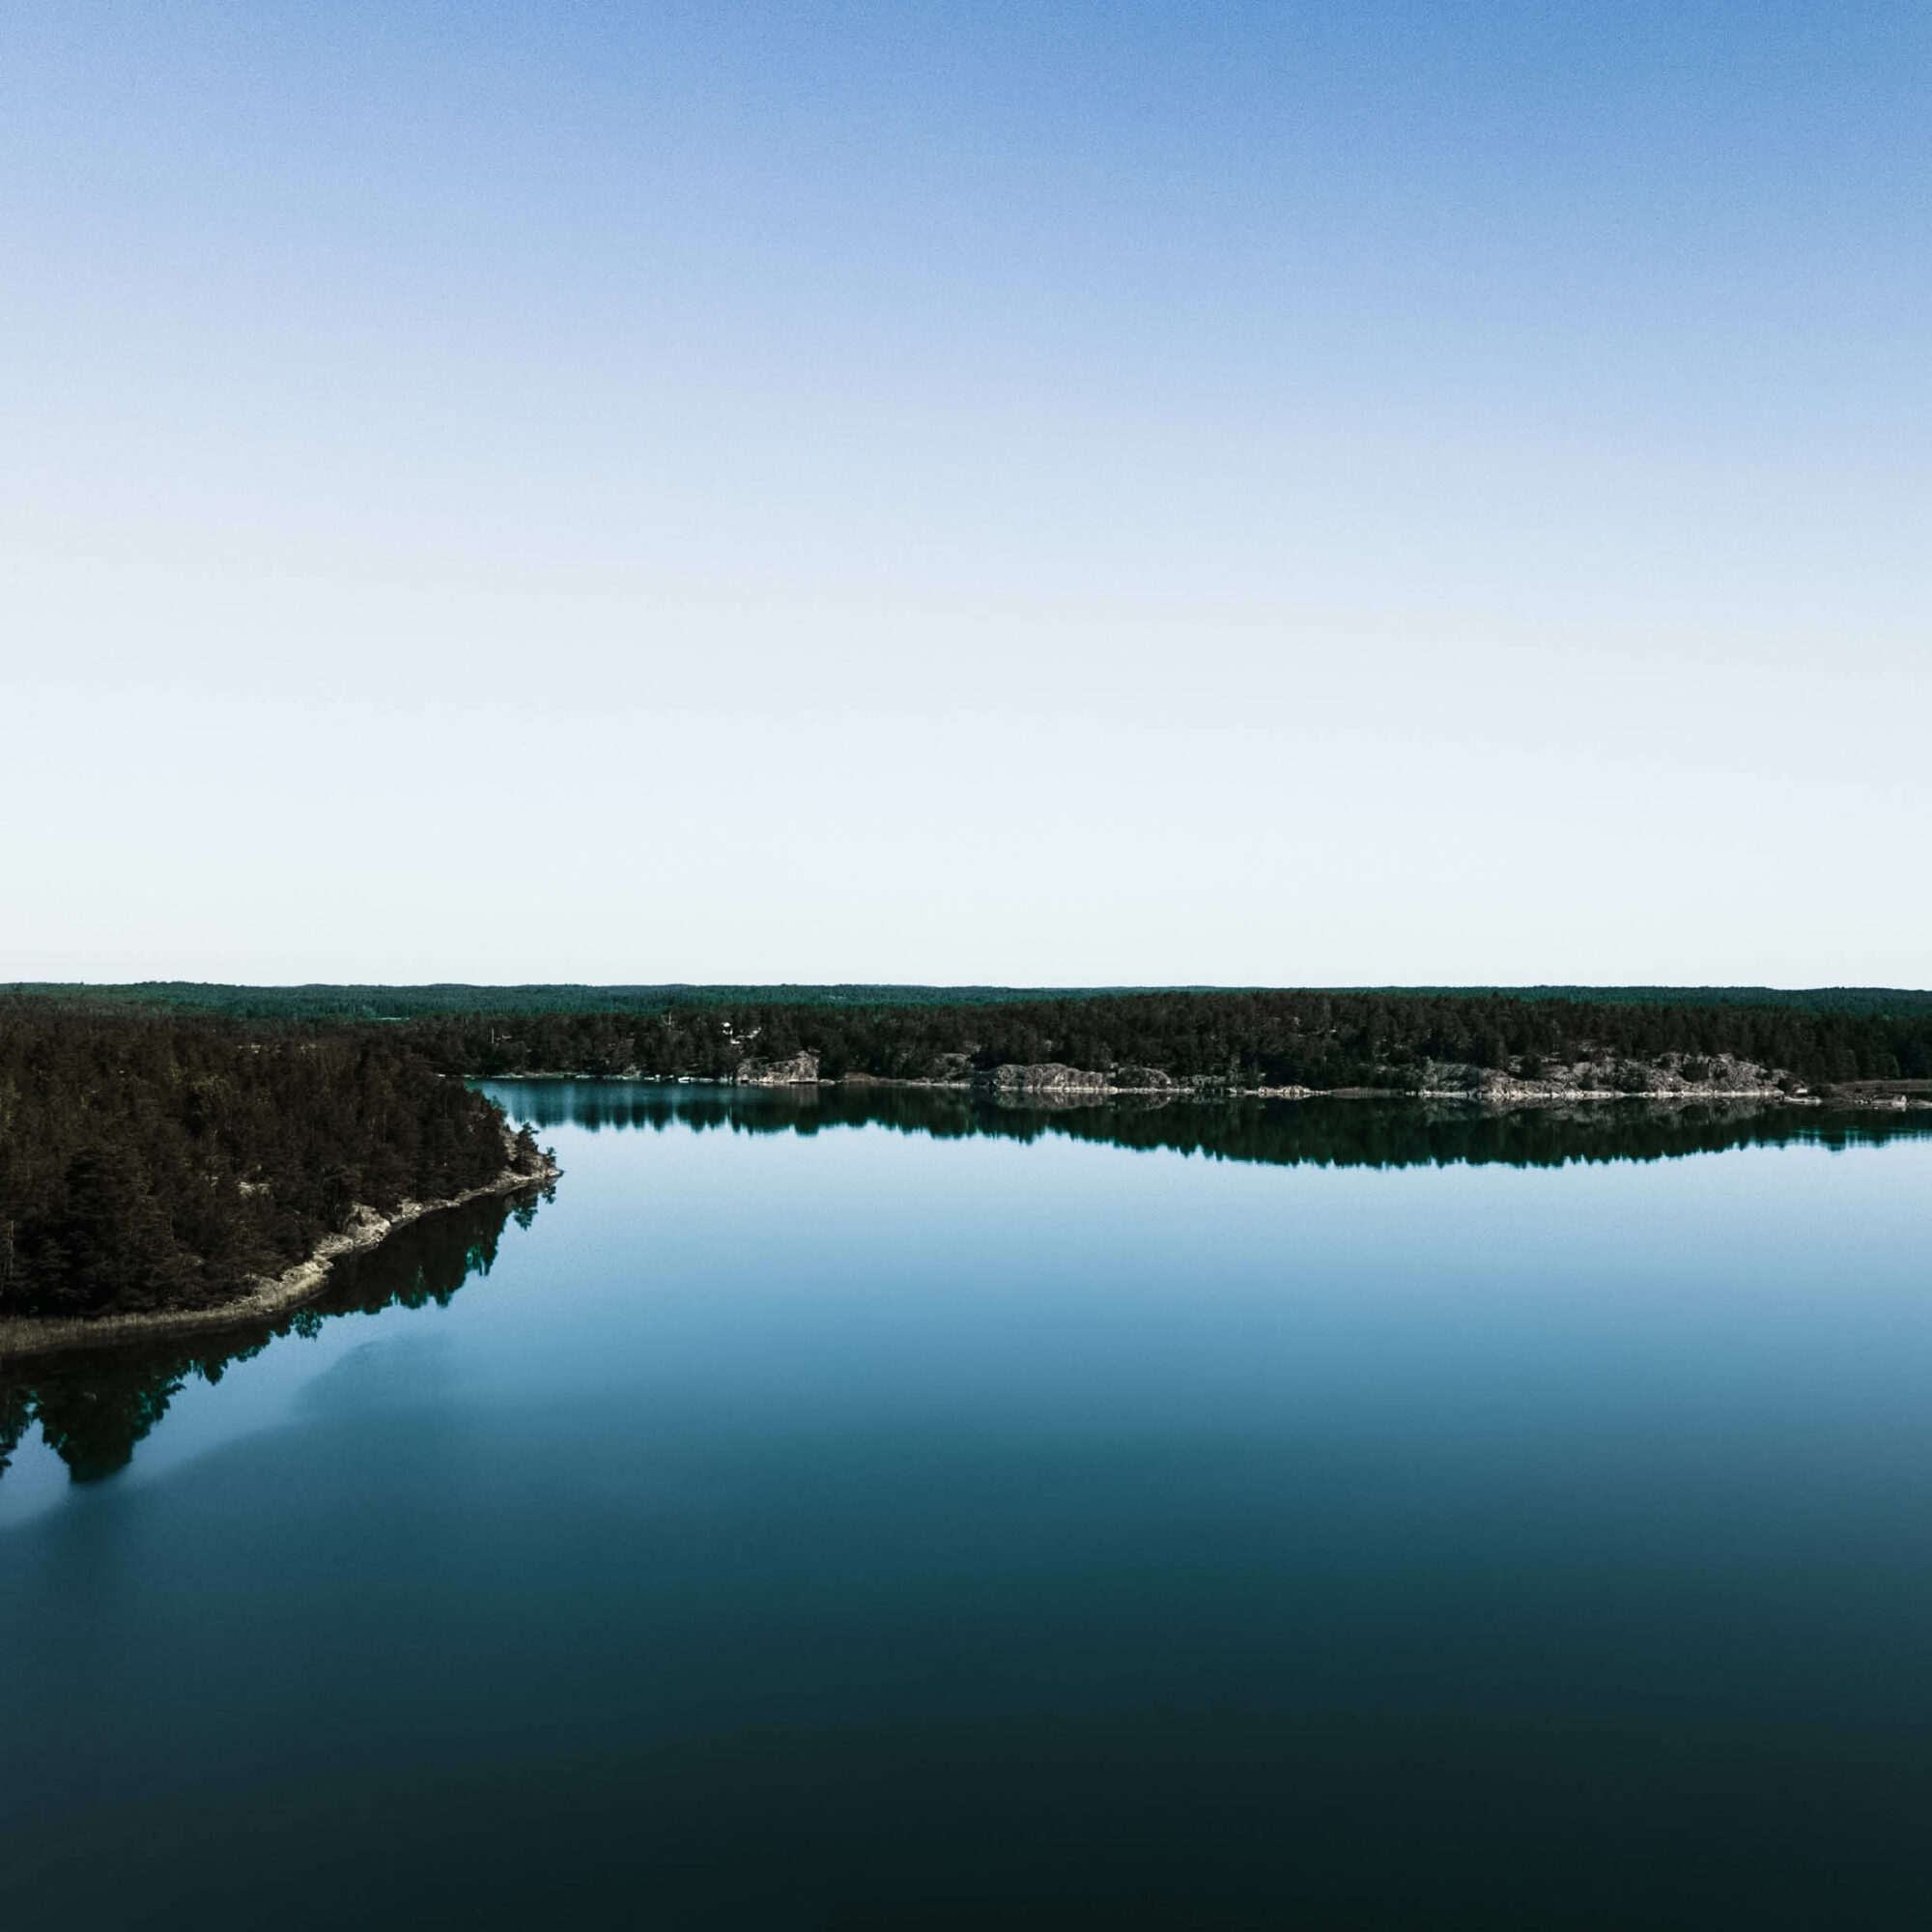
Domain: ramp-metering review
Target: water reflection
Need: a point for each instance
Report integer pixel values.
(1397, 1132)
(881, 1530)
(95, 1405)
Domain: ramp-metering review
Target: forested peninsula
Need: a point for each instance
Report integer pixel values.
(169, 1161)
(185, 1151)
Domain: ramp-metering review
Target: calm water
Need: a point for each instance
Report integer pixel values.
(897, 1514)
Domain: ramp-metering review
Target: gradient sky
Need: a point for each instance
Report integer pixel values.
(1049, 494)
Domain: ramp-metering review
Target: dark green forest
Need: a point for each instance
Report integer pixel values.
(1319, 1040)
(153, 1160)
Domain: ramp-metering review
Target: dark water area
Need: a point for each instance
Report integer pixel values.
(864, 1510)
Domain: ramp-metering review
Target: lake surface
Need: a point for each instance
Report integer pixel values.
(868, 1512)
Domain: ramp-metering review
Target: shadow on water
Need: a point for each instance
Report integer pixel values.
(95, 1405)
(1395, 1132)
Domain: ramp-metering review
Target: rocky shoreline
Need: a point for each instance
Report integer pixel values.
(1050, 1083)
(270, 1297)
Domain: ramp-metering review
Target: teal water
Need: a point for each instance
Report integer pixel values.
(891, 1512)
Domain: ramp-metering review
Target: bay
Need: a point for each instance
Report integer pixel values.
(850, 1509)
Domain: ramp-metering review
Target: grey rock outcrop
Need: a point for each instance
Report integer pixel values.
(1675, 1077)
(1051, 1083)
(1048, 1079)
(800, 1071)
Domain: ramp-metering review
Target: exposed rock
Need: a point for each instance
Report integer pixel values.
(1674, 1077)
(800, 1071)
(1149, 1080)
(1050, 1078)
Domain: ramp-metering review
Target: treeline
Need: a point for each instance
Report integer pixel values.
(153, 1160)
(329, 1002)
(1895, 1000)
(333, 1002)
(1248, 1040)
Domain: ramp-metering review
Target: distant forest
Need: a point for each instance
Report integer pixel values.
(322, 1002)
(152, 1160)
(397, 1002)
(1315, 1039)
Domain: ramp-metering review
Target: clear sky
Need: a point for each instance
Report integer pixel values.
(1042, 494)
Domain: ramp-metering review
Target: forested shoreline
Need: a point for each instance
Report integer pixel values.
(156, 1160)
(166, 1156)
(1319, 1040)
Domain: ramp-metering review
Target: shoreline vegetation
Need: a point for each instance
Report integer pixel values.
(1493, 1048)
(168, 1163)
(187, 1164)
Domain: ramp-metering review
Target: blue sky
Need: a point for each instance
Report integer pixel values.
(1049, 494)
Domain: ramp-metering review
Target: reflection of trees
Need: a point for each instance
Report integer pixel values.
(1369, 1134)
(95, 1405)
(92, 1419)
(1325, 1132)
(14, 1416)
